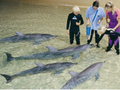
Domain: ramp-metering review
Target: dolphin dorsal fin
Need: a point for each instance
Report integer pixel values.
(73, 73)
(51, 49)
(39, 64)
(19, 34)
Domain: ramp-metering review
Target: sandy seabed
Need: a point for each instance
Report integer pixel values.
(50, 19)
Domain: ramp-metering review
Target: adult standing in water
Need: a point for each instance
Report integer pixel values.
(113, 20)
(94, 16)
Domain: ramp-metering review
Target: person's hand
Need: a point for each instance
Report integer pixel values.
(77, 23)
(99, 22)
(88, 22)
(107, 25)
(111, 31)
(68, 32)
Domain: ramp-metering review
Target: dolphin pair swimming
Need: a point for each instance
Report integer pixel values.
(53, 53)
(36, 38)
(54, 67)
(76, 78)
(79, 78)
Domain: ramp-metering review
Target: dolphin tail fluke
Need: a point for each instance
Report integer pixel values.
(7, 77)
(9, 57)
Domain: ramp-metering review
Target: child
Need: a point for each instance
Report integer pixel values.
(76, 20)
(113, 37)
(113, 14)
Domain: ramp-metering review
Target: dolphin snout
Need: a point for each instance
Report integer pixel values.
(56, 36)
(91, 44)
(104, 61)
(75, 63)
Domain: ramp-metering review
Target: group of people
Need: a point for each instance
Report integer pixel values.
(94, 16)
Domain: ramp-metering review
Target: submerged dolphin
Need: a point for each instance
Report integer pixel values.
(55, 67)
(88, 73)
(36, 38)
(53, 53)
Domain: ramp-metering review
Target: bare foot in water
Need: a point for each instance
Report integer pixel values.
(95, 44)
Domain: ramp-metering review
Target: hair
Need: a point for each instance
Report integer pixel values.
(96, 3)
(109, 5)
(101, 29)
(76, 9)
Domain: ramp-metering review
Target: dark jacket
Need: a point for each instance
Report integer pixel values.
(73, 19)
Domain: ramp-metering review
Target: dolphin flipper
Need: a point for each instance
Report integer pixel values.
(58, 72)
(76, 56)
(97, 76)
(9, 57)
(37, 43)
(7, 77)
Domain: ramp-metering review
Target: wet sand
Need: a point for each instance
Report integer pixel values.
(50, 19)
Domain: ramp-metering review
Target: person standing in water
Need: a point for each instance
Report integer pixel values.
(113, 20)
(94, 16)
(76, 20)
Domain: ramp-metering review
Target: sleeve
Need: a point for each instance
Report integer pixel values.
(68, 22)
(103, 13)
(100, 38)
(118, 13)
(116, 33)
(81, 19)
(87, 13)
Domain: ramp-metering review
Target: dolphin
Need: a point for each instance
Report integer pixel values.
(54, 67)
(88, 73)
(53, 53)
(36, 38)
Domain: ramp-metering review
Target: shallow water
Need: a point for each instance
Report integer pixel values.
(50, 19)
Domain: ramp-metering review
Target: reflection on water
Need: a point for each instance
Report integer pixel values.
(50, 19)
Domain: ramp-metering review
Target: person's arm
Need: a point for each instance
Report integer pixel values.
(68, 22)
(106, 32)
(117, 25)
(107, 17)
(81, 21)
(100, 38)
(102, 15)
(100, 20)
(118, 15)
(87, 16)
(110, 31)
(107, 21)
(116, 33)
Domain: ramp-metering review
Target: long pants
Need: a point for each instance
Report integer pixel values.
(77, 37)
(96, 37)
(114, 40)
